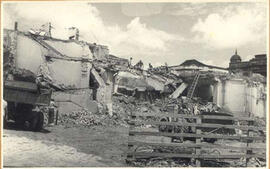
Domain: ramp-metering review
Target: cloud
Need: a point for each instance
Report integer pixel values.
(187, 9)
(135, 39)
(141, 9)
(234, 26)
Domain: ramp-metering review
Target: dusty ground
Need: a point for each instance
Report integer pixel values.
(59, 146)
(97, 146)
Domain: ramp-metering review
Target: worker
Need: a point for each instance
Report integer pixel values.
(196, 111)
(52, 110)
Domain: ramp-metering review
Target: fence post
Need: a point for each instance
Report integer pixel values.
(248, 142)
(131, 126)
(198, 141)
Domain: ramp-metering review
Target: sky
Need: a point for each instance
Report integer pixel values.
(155, 33)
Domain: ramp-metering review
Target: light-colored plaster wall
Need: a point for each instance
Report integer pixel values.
(29, 54)
(240, 98)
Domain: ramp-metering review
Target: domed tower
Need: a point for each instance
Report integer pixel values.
(235, 58)
(235, 63)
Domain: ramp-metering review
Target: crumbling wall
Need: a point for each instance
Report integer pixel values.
(29, 54)
(71, 49)
(70, 73)
(104, 89)
(240, 98)
(256, 100)
(99, 51)
(75, 100)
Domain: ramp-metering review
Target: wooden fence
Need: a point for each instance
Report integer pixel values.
(142, 121)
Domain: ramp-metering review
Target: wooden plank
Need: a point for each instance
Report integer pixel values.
(193, 145)
(150, 133)
(202, 156)
(198, 141)
(216, 117)
(166, 114)
(138, 114)
(204, 125)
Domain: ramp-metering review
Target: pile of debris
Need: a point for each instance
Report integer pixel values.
(83, 118)
(162, 162)
(121, 110)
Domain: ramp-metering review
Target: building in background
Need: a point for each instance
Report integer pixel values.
(254, 65)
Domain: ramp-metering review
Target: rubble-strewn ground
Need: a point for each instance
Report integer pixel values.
(66, 147)
(90, 139)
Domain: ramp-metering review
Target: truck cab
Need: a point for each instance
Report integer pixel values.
(23, 99)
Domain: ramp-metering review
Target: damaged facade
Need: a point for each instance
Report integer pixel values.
(236, 93)
(50, 58)
(94, 75)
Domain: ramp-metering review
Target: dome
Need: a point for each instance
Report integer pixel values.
(236, 57)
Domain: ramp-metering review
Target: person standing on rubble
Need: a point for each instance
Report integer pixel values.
(51, 112)
(196, 111)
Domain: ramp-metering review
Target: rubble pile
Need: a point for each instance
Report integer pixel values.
(87, 119)
(253, 162)
(82, 117)
(162, 162)
(123, 105)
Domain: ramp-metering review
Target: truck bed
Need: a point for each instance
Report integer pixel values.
(26, 92)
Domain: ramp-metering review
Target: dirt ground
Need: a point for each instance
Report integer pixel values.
(96, 146)
(59, 146)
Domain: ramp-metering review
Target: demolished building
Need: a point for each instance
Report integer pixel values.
(85, 76)
(65, 63)
(238, 94)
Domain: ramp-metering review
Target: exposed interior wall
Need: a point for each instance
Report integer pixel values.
(29, 54)
(72, 77)
(256, 102)
(75, 101)
(240, 98)
(235, 97)
(71, 49)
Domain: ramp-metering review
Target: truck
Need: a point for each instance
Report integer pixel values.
(23, 101)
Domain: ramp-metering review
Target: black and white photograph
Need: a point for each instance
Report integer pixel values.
(135, 84)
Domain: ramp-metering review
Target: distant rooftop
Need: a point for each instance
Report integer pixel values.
(197, 63)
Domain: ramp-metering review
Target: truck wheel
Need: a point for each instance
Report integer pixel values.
(34, 121)
(5, 124)
(39, 125)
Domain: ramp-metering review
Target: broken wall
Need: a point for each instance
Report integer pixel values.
(75, 100)
(256, 100)
(240, 98)
(30, 55)
(71, 48)
(99, 51)
(105, 88)
(70, 73)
